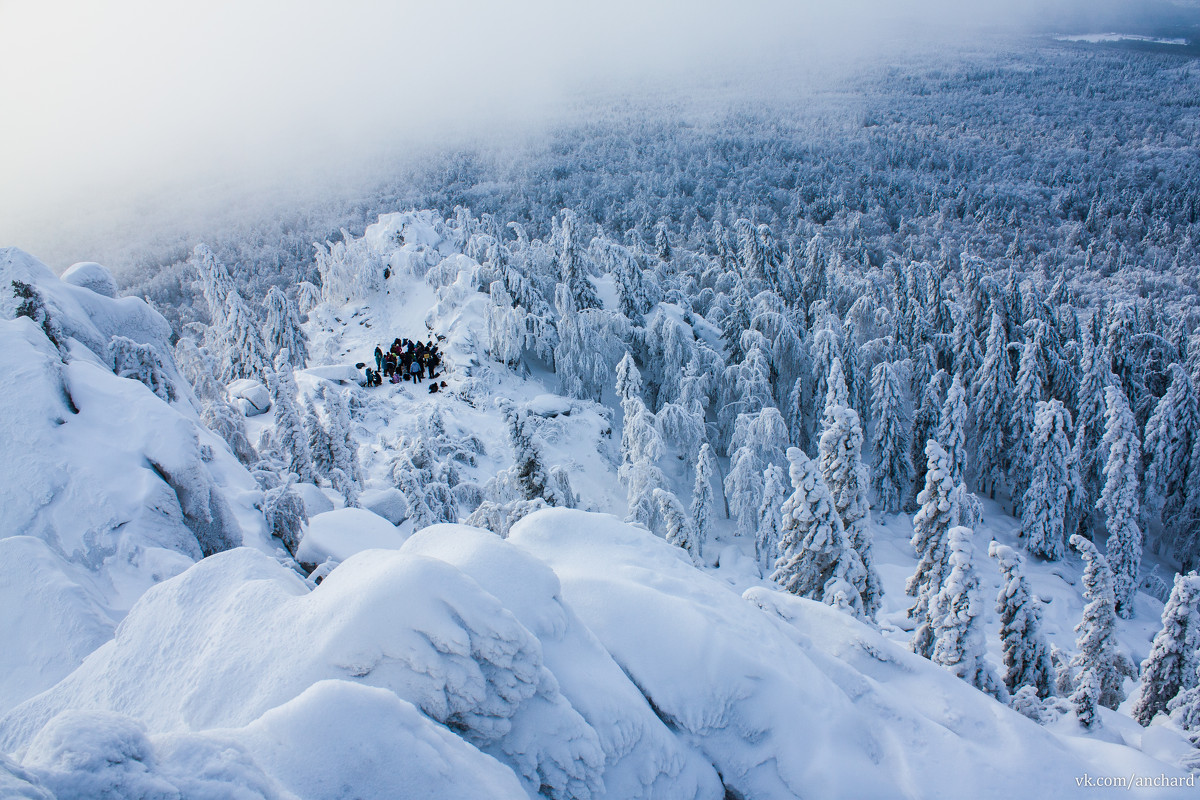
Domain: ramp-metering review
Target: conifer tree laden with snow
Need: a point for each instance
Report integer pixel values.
(702, 495)
(139, 362)
(1119, 498)
(281, 328)
(926, 422)
(1170, 668)
(678, 527)
(641, 446)
(840, 454)
(1171, 435)
(290, 437)
(815, 557)
(952, 430)
(1047, 501)
(1030, 390)
(959, 643)
(931, 525)
(235, 333)
(991, 404)
(770, 517)
(1026, 653)
(1089, 421)
(892, 466)
(1099, 662)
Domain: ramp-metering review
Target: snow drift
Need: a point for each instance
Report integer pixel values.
(580, 658)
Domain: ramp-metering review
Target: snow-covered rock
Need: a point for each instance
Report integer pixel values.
(93, 276)
(343, 532)
(549, 405)
(315, 500)
(107, 489)
(388, 503)
(250, 396)
(341, 374)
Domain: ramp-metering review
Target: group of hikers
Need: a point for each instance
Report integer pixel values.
(406, 360)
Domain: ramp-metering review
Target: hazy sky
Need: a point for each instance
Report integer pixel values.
(101, 102)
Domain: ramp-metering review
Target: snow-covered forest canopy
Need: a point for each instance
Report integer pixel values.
(843, 442)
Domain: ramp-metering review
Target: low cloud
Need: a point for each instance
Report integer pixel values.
(106, 103)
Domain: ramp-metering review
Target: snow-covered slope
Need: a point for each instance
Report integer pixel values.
(106, 489)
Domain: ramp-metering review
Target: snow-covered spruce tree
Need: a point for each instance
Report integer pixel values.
(678, 526)
(765, 433)
(139, 362)
(933, 521)
(683, 426)
(581, 357)
(1026, 653)
(1171, 433)
(571, 270)
(1030, 390)
(836, 393)
(840, 458)
(1047, 501)
(892, 466)
(227, 422)
(530, 471)
(1095, 377)
(506, 327)
(823, 350)
(641, 449)
(285, 515)
(857, 380)
(770, 519)
(1175, 655)
(959, 644)
(926, 422)
(816, 560)
(198, 368)
(702, 494)
(1119, 498)
(629, 378)
(635, 295)
(1185, 712)
(236, 339)
(743, 489)
(952, 430)
(281, 328)
(290, 438)
(320, 447)
(991, 405)
(1100, 663)
(342, 444)
(308, 296)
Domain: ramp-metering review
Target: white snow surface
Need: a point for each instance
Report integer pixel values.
(105, 489)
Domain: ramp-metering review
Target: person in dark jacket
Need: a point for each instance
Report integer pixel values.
(378, 359)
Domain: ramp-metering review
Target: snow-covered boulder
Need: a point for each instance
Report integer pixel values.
(549, 405)
(342, 533)
(315, 500)
(388, 503)
(249, 396)
(341, 374)
(93, 276)
(238, 637)
(643, 758)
